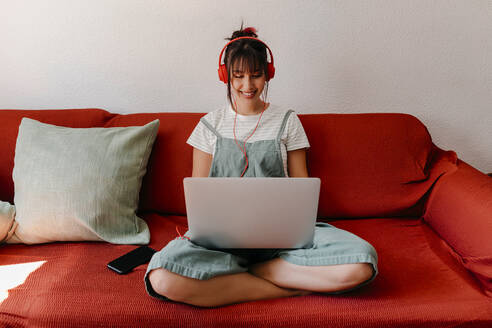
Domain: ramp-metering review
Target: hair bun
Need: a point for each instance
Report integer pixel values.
(248, 31)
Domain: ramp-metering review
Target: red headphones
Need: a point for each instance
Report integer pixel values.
(223, 76)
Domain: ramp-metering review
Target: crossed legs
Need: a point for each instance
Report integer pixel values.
(270, 279)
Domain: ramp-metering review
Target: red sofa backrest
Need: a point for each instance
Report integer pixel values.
(369, 164)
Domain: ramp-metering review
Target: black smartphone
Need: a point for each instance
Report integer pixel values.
(132, 259)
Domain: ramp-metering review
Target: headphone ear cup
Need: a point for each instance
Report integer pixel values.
(223, 73)
(271, 71)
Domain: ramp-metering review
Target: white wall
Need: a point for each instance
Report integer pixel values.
(432, 59)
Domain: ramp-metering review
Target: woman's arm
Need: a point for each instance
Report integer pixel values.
(201, 163)
(296, 163)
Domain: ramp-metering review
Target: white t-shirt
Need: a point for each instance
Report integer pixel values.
(222, 120)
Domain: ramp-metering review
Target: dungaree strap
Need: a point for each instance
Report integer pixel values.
(210, 127)
(284, 123)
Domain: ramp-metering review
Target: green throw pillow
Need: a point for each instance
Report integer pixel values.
(74, 184)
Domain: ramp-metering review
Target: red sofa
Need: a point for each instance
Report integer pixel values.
(427, 213)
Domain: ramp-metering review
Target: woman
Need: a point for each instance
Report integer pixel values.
(251, 137)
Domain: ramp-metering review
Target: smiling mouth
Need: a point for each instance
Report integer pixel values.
(248, 94)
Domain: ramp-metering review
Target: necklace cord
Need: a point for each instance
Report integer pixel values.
(243, 149)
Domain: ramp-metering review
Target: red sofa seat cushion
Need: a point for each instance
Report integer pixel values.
(9, 128)
(419, 285)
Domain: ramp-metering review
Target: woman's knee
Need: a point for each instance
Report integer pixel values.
(356, 273)
(171, 285)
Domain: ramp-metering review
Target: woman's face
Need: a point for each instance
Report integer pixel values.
(247, 86)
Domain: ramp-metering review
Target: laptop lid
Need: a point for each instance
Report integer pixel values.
(251, 212)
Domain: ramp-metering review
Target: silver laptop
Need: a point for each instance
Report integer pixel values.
(251, 212)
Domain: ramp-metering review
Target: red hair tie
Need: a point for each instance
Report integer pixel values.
(250, 30)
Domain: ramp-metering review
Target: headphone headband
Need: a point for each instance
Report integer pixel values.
(223, 76)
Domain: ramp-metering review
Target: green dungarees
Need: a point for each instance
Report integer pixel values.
(330, 246)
